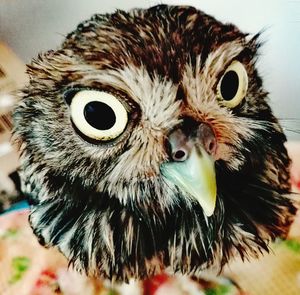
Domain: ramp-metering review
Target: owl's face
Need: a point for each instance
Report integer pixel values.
(147, 143)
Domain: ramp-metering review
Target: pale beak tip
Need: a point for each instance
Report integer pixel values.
(209, 212)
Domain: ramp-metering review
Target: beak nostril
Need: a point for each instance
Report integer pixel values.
(179, 155)
(208, 138)
(212, 146)
(181, 141)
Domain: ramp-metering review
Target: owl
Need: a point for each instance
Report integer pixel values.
(147, 144)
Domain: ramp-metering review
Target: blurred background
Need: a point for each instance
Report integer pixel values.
(28, 27)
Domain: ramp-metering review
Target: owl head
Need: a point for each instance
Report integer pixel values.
(147, 143)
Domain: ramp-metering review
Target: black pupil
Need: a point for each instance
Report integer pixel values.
(99, 115)
(229, 85)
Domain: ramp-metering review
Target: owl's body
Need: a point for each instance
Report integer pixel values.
(106, 202)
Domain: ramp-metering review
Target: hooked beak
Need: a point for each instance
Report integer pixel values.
(194, 170)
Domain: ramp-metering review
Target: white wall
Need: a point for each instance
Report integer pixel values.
(30, 26)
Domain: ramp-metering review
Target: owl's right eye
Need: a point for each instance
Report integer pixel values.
(98, 115)
(233, 85)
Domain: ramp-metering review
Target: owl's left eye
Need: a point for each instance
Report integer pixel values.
(98, 115)
(233, 85)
